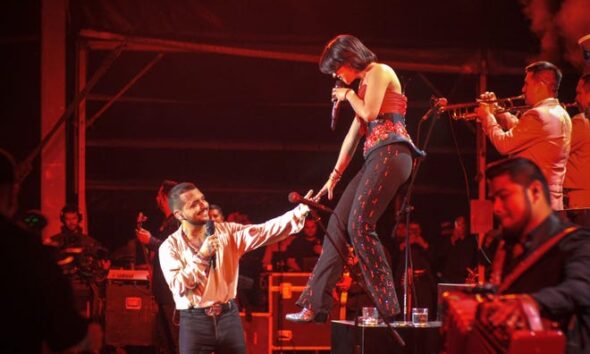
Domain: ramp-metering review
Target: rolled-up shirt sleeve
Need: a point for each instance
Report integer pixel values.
(183, 274)
(250, 237)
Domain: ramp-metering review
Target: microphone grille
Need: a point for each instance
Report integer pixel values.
(294, 197)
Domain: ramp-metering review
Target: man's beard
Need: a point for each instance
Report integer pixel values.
(513, 234)
(194, 222)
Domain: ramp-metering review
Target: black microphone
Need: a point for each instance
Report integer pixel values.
(295, 197)
(437, 104)
(211, 231)
(336, 107)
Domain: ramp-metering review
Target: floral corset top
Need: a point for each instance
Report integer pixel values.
(390, 125)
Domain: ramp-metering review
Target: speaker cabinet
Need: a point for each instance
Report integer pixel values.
(130, 315)
(256, 332)
(284, 290)
(350, 339)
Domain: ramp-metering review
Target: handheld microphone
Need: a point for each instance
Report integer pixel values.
(211, 231)
(336, 107)
(295, 197)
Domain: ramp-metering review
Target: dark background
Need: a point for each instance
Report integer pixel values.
(248, 130)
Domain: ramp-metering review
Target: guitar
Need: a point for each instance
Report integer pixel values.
(141, 218)
(344, 286)
(346, 281)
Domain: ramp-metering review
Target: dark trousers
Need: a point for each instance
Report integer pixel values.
(363, 202)
(203, 334)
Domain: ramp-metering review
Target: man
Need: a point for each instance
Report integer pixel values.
(71, 236)
(200, 263)
(559, 281)
(542, 134)
(577, 177)
(420, 280)
(215, 213)
(456, 254)
(168, 330)
(308, 246)
(82, 258)
(38, 304)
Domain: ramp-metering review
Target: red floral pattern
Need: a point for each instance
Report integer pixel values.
(385, 131)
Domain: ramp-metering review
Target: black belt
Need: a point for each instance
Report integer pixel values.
(213, 310)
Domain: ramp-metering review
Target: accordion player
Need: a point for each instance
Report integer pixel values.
(489, 324)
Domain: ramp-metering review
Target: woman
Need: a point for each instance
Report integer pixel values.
(379, 107)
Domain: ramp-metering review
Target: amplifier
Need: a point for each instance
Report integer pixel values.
(130, 315)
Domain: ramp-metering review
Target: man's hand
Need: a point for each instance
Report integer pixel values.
(317, 248)
(487, 107)
(209, 247)
(506, 313)
(143, 236)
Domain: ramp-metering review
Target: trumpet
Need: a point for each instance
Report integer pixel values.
(465, 111)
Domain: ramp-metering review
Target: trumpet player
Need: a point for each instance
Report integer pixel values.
(542, 134)
(577, 178)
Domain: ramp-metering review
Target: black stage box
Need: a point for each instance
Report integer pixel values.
(130, 317)
(256, 332)
(348, 339)
(284, 290)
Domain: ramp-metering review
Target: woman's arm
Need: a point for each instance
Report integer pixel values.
(346, 153)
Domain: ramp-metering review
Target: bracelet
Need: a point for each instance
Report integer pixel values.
(346, 94)
(335, 176)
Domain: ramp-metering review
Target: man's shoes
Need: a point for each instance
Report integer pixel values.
(305, 315)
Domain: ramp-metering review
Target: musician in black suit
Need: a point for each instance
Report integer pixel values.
(559, 279)
(167, 325)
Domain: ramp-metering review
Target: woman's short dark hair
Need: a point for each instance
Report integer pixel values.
(174, 201)
(345, 50)
(521, 171)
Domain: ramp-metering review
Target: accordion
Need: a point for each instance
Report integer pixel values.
(468, 326)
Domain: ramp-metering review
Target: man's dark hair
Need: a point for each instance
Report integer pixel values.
(540, 69)
(345, 49)
(521, 171)
(70, 208)
(174, 201)
(7, 169)
(216, 207)
(166, 187)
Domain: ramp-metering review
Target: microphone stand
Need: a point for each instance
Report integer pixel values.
(406, 209)
(355, 276)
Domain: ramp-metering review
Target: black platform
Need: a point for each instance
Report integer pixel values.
(348, 339)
